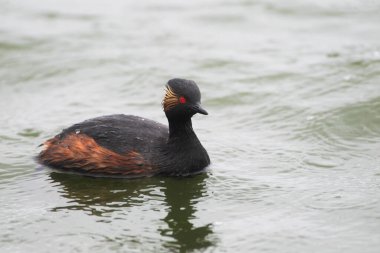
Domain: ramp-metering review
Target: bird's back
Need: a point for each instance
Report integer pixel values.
(114, 144)
(121, 133)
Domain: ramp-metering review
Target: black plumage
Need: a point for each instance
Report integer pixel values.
(133, 146)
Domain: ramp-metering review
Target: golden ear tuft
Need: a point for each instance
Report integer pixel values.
(170, 99)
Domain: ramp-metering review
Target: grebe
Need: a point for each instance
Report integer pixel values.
(131, 146)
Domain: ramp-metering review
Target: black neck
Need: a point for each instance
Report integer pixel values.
(180, 128)
(183, 153)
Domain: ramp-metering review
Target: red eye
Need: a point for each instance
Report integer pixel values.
(182, 100)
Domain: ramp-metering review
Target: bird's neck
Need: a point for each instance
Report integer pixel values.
(180, 128)
(183, 153)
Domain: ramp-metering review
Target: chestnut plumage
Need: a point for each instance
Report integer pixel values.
(131, 146)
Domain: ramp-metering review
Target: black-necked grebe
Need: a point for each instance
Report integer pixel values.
(126, 145)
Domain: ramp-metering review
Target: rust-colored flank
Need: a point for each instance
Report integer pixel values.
(79, 152)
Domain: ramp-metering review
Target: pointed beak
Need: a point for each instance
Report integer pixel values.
(198, 108)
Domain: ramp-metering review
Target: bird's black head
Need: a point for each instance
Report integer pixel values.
(182, 99)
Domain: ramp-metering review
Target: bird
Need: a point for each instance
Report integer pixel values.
(131, 146)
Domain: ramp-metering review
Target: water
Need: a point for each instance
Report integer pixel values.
(293, 93)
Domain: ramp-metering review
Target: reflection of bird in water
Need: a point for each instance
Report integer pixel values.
(103, 196)
(88, 194)
(181, 196)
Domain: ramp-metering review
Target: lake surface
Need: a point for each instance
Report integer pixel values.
(293, 94)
